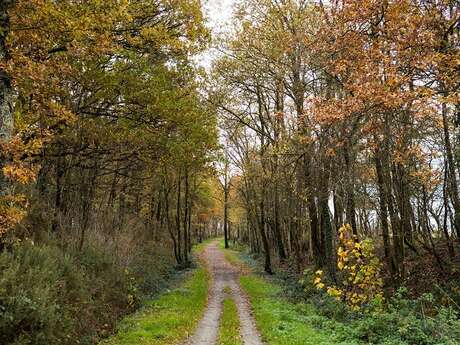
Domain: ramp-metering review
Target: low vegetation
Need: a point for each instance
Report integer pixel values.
(288, 312)
(52, 295)
(168, 319)
(229, 331)
(282, 322)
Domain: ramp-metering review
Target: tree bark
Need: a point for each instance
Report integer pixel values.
(226, 191)
(452, 175)
(6, 91)
(178, 221)
(384, 217)
(350, 189)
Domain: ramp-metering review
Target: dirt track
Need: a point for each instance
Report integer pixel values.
(223, 275)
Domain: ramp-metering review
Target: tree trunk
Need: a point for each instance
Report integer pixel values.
(88, 192)
(384, 217)
(178, 221)
(59, 169)
(186, 216)
(452, 175)
(170, 227)
(349, 187)
(226, 191)
(263, 235)
(276, 225)
(6, 91)
(326, 226)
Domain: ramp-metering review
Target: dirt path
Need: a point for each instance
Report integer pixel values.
(223, 275)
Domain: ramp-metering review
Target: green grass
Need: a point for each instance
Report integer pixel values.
(280, 321)
(168, 319)
(229, 331)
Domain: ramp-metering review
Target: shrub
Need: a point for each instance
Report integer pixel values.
(151, 269)
(35, 283)
(50, 296)
(403, 323)
(109, 289)
(360, 281)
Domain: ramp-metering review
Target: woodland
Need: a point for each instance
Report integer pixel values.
(322, 143)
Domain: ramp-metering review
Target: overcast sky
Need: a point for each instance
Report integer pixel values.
(218, 14)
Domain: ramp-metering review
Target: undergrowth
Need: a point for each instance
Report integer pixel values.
(290, 313)
(166, 320)
(55, 295)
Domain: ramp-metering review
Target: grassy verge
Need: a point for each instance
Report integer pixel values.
(233, 257)
(198, 248)
(166, 320)
(229, 331)
(171, 317)
(280, 321)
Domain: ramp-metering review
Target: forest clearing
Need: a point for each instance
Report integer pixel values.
(229, 172)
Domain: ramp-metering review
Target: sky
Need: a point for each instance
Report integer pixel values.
(218, 14)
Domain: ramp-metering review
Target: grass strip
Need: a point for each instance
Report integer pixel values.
(280, 321)
(168, 319)
(229, 330)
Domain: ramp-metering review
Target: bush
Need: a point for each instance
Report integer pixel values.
(360, 282)
(110, 290)
(404, 323)
(415, 321)
(151, 269)
(39, 292)
(50, 296)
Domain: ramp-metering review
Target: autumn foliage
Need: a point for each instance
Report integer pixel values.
(360, 281)
(106, 150)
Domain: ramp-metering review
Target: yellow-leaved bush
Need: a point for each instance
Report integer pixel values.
(359, 272)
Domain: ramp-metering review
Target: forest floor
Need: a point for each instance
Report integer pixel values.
(222, 303)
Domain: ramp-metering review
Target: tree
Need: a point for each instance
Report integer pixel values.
(107, 104)
(344, 108)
